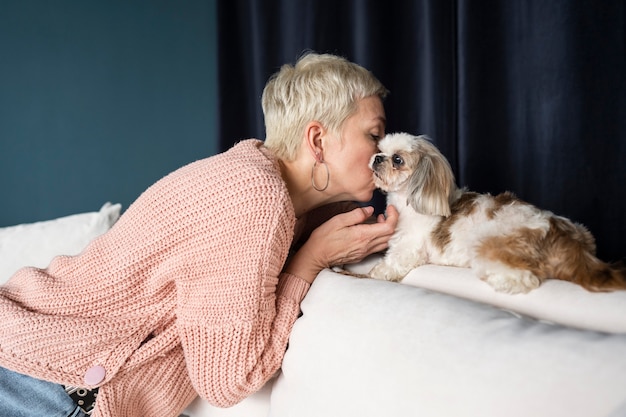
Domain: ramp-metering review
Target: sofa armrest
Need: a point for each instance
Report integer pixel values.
(369, 348)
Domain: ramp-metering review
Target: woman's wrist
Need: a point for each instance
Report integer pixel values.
(303, 265)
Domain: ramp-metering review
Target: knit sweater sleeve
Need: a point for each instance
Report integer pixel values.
(235, 308)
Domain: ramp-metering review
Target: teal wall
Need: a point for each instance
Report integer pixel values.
(99, 99)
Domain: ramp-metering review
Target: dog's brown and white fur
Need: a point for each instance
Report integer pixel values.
(510, 244)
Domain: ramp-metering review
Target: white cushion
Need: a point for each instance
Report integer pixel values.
(554, 301)
(35, 244)
(372, 348)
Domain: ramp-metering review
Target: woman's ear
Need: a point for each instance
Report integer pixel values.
(314, 132)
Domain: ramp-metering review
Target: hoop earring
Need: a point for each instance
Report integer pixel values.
(313, 177)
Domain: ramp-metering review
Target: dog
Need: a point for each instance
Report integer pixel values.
(510, 244)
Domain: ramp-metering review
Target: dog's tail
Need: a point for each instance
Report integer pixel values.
(593, 274)
(573, 259)
(604, 277)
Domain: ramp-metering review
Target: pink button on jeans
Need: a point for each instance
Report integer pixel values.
(95, 375)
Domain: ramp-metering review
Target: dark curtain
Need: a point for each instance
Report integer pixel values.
(520, 95)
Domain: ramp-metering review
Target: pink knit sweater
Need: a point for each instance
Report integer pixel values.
(183, 295)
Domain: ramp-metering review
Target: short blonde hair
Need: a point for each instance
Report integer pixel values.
(320, 87)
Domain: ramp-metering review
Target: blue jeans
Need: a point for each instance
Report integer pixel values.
(24, 396)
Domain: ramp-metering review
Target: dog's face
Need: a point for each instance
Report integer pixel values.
(413, 167)
(395, 163)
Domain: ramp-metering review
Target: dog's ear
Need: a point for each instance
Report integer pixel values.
(431, 184)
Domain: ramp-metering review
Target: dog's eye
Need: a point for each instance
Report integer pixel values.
(397, 160)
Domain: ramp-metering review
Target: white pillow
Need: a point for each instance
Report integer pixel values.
(372, 348)
(554, 301)
(35, 244)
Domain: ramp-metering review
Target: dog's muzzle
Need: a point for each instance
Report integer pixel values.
(378, 159)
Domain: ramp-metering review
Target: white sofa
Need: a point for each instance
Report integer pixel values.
(442, 343)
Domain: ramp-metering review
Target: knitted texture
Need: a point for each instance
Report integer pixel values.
(183, 295)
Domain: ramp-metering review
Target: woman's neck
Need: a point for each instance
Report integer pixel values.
(298, 180)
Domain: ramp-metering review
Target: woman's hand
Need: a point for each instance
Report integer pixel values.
(344, 239)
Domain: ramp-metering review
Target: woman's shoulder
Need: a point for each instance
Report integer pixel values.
(250, 166)
(244, 176)
(246, 158)
(247, 176)
(244, 164)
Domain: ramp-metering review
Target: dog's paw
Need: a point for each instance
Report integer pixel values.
(513, 281)
(343, 271)
(384, 272)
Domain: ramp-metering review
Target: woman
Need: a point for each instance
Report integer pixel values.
(196, 288)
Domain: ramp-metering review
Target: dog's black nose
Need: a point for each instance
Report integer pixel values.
(378, 159)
